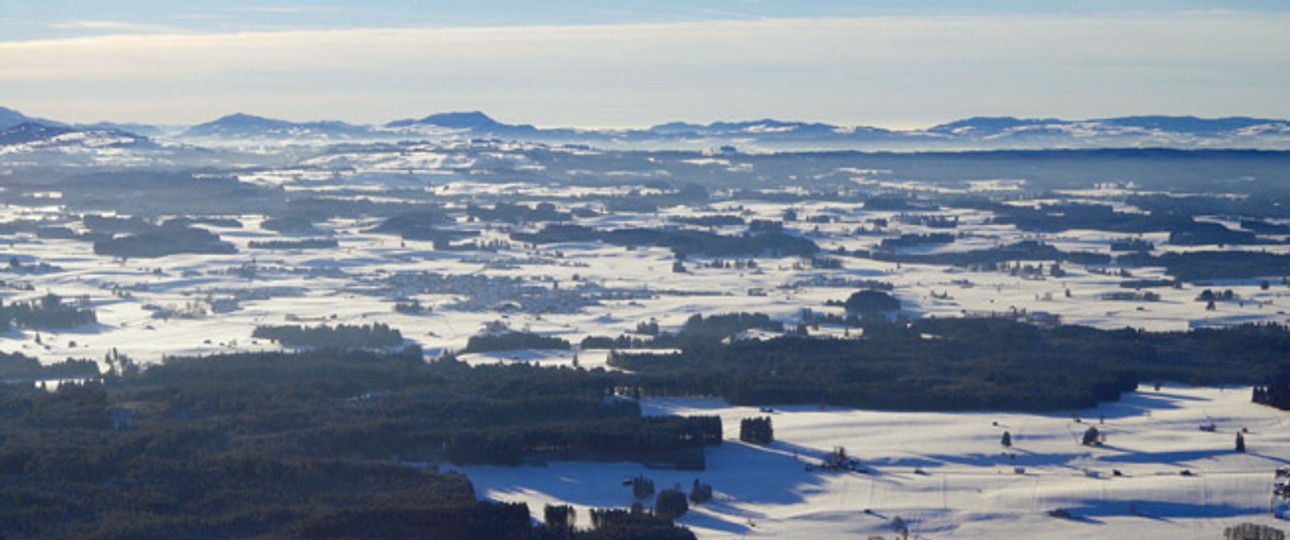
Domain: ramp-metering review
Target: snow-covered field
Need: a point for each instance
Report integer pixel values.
(946, 475)
(348, 285)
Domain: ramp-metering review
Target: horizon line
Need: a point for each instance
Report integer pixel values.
(417, 118)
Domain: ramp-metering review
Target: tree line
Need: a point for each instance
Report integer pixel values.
(683, 242)
(1275, 394)
(959, 364)
(510, 341)
(342, 336)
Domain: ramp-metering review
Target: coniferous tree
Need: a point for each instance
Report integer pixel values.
(756, 430)
(559, 518)
(671, 504)
(1092, 437)
(700, 492)
(642, 488)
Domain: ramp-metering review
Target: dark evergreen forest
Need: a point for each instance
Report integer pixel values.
(314, 445)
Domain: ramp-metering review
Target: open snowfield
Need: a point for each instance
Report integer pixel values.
(947, 476)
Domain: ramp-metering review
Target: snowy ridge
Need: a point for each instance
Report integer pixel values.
(245, 126)
(31, 137)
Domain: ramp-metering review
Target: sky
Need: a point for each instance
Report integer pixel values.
(633, 63)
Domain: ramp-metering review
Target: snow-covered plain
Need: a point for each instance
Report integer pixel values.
(350, 284)
(946, 475)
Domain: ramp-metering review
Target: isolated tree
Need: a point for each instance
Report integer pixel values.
(838, 459)
(1092, 437)
(902, 528)
(1006, 441)
(649, 328)
(1240, 443)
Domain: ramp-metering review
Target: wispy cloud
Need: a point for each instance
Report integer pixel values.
(110, 26)
(287, 10)
(883, 70)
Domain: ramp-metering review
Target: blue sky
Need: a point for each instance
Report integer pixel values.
(633, 63)
(26, 19)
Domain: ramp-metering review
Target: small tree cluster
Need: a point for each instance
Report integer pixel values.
(341, 336)
(642, 488)
(867, 301)
(1276, 394)
(120, 365)
(671, 504)
(1209, 295)
(648, 328)
(1253, 531)
(839, 460)
(49, 311)
(756, 430)
(559, 518)
(634, 523)
(510, 341)
(700, 492)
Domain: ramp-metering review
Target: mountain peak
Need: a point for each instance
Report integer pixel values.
(464, 120)
(239, 117)
(245, 120)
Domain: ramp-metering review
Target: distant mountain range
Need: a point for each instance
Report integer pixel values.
(10, 118)
(980, 132)
(971, 133)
